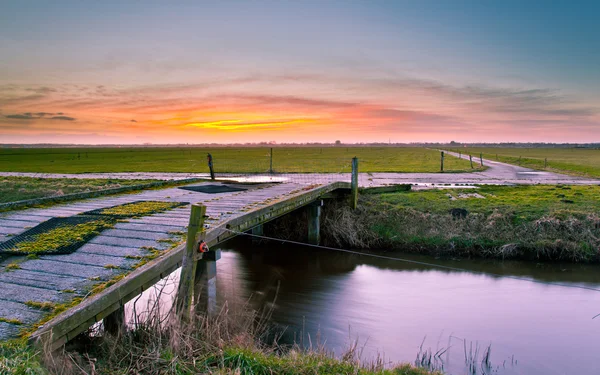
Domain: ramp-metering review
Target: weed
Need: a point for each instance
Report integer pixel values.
(12, 267)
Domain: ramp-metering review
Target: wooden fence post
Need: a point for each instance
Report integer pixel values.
(481, 158)
(471, 160)
(185, 291)
(271, 163)
(210, 166)
(354, 184)
(442, 162)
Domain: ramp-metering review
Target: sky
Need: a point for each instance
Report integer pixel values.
(131, 72)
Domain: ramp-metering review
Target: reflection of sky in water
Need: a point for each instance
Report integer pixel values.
(391, 308)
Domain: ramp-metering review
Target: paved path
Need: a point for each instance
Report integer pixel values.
(496, 173)
(60, 278)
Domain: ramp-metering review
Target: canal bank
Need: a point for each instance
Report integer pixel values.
(536, 223)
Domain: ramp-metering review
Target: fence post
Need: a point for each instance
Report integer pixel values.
(481, 158)
(442, 162)
(185, 291)
(271, 162)
(354, 184)
(210, 166)
(471, 160)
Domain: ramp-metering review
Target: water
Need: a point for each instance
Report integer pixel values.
(391, 307)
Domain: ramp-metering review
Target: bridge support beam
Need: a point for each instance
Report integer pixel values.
(314, 222)
(114, 323)
(205, 287)
(257, 231)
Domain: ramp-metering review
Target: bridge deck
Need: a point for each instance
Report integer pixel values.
(61, 278)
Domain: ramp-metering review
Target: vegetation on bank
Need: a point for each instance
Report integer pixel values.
(573, 161)
(14, 189)
(524, 222)
(234, 345)
(227, 159)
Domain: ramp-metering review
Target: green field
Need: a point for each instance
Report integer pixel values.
(14, 189)
(225, 159)
(573, 161)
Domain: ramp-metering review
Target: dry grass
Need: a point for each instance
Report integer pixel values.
(559, 236)
(232, 342)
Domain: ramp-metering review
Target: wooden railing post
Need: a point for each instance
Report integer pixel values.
(442, 162)
(271, 163)
(354, 184)
(471, 160)
(185, 291)
(481, 158)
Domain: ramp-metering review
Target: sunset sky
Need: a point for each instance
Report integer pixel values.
(299, 71)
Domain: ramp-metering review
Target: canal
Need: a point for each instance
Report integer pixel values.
(399, 310)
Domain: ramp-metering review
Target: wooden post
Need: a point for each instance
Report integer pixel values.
(545, 163)
(114, 323)
(481, 158)
(185, 291)
(354, 184)
(210, 166)
(471, 160)
(314, 222)
(442, 162)
(271, 164)
(205, 286)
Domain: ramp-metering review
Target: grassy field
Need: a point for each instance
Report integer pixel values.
(524, 222)
(20, 188)
(573, 161)
(285, 160)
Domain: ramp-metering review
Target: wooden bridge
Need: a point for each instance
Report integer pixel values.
(28, 285)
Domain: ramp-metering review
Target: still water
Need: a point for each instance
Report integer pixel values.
(393, 307)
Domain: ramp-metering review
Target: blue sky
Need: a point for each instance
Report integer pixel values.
(280, 70)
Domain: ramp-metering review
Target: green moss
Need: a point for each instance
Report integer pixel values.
(139, 208)
(61, 237)
(11, 321)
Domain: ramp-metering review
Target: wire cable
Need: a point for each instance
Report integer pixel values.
(415, 262)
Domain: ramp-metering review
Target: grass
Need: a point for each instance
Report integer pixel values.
(16, 358)
(573, 161)
(524, 203)
(226, 159)
(524, 222)
(14, 189)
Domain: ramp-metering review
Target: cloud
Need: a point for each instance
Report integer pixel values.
(40, 115)
(64, 118)
(20, 117)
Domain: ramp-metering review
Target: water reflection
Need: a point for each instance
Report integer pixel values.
(392, 306)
